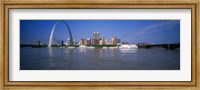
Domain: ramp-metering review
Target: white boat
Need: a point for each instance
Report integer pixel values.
(82, 46)
(105, 47)
(114, 47)
(127, 46)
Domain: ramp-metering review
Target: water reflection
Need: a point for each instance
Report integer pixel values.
(51, 56)
(128, 50)
(82, 50)
(113, 52)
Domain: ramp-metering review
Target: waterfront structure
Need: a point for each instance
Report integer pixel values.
(118, 40)
(100, 42)
(88, 41)
(96, 38)
(60, 42)
(52, 32)
(84, 42)
(108, 43)
(126, 46)
(125, 42)
(36, 42)
(114, 40)
(143, 45)
(75, 42)
(68, 41)
(103, 41)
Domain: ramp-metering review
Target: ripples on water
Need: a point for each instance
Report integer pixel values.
(98, 59)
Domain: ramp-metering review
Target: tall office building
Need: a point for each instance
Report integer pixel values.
(103, 41)
(88, 41)
(114, 40)
(96, 35)
(118, 40)
(75, 42)
(96, 38)
(68, 41)
(83, 42)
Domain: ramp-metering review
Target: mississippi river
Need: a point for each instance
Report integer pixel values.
(98, 59)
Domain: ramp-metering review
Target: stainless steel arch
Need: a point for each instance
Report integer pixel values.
(52, 32)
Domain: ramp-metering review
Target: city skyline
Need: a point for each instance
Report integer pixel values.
(133, 31)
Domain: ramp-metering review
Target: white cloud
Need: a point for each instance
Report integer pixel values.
(156, 26)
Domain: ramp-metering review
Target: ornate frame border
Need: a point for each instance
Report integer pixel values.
(97, 5)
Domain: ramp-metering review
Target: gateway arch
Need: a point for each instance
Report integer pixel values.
(52, 32)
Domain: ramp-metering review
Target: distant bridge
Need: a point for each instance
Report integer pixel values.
(166, 46)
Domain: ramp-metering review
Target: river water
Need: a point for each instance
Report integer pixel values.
(98, 59)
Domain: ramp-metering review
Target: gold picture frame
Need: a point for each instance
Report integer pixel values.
(6, 84)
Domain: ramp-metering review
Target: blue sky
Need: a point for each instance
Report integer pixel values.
(133, 31)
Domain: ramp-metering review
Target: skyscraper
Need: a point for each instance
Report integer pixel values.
(114, 40)
(96, 38)
(88, 41)
(118, 41)
(103, 41)
(83, 42)
(68, 41)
